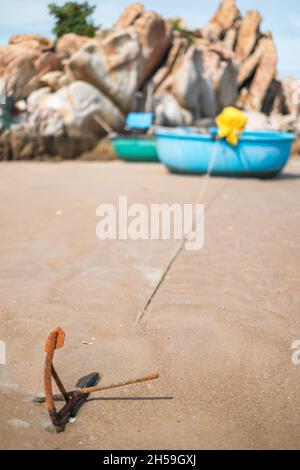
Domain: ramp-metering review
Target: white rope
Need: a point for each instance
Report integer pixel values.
(209, 171)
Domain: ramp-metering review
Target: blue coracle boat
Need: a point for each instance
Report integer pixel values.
(258, 153)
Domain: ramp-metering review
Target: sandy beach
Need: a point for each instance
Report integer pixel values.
(219, 329)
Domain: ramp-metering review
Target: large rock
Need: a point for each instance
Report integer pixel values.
(34, 40)
(168, 111)
(68, 123)
(230, 36)
(291, 89)
(187, 90)
(111, 65)
(265, 73)
(35, 98)
(52, 79)
(285, 123)
(70, 43)
(201, 81)
(257, 121)
(5, 146)
(19, 73)
(249, 65)
(195, 82)
(129, 15)
(248, 34)
(21, 143)
(275, 122)
(223, 19)
(274, 101)
(120, 61)
(154, 35)
(23, 74)
(78, 105)
(179, 48)
(221, 70)
(69, 93)
(24, 62)
(11, 53)
(192, 85)
(227, 89)
(162, 80)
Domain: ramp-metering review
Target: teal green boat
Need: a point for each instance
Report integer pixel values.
(135, 148)
(136, 144)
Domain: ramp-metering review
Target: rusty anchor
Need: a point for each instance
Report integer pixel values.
(73, 399)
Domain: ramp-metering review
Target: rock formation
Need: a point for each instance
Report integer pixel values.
(68, 94)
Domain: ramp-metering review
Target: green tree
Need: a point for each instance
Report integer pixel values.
(183, 32)
(72, 17)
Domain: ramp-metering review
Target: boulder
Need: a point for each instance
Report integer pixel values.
(230, 37)
(183, 85)
(10, 53)
(34, 40)
(221, 70)
(178, 49)
(24, 145)
(21, 143)
(291, 90)
(154, 36)
(70, 43)
(248, 34)
(249, 65)
(75, 108)
(21, 68)
(168, 111)
(34, 99)
(201, 81)
(62, 123)
(224, 18)
(69, 95)
(285, 123)
(257, 121)
(265, 73)
(192, 85)
(129, 15)
(52, 79)
(275, 122)
(227, 89)
(121, 61)
(111, 66)
(274, 101)
(5, 147)
(196, 81)
(18, 75)
(48, 61)
(296, 145)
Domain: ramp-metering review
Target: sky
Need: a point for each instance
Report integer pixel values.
(281, 17)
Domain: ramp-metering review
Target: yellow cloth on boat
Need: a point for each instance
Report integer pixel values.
(231, 123)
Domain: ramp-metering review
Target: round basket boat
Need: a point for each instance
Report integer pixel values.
(138, 148)
(258, 153)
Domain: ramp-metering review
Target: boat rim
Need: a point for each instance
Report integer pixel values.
(247, 136)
